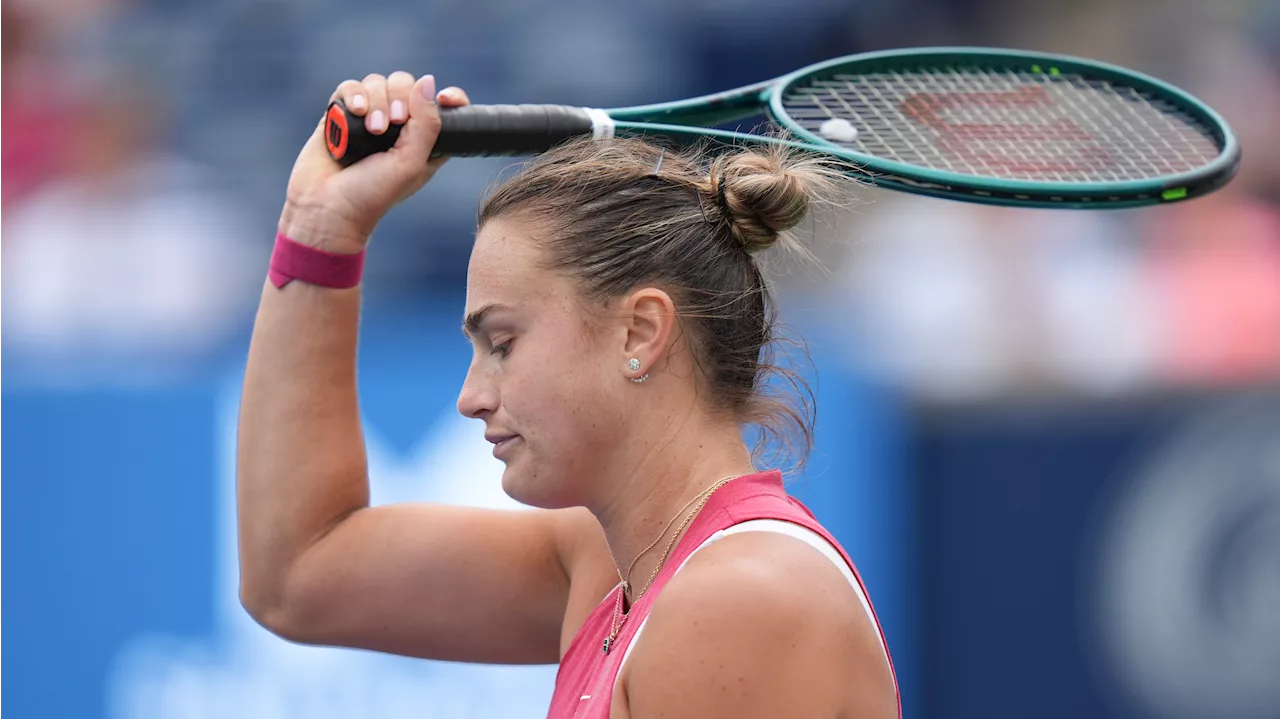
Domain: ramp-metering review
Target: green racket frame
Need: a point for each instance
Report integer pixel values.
(689, 120)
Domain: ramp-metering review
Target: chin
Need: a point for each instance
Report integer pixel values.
(533, 486)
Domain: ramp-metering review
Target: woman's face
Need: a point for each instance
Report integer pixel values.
(548, 381)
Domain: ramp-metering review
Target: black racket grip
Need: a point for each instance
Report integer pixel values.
(472, 131)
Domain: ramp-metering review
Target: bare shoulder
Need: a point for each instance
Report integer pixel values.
(758, 624)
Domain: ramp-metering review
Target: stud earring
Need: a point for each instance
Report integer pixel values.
(633, 364)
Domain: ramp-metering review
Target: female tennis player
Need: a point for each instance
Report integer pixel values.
(621, 328)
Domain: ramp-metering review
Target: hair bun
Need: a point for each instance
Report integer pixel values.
(764, 193)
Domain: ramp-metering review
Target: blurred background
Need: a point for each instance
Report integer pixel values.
(1051, 440)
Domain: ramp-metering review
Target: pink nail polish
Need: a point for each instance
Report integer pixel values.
(429, 87)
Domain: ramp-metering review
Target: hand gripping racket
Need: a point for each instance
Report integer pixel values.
(1000, 127)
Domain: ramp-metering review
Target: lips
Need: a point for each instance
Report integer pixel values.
(502, 443)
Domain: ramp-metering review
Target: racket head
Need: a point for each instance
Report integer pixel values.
(1009, 127)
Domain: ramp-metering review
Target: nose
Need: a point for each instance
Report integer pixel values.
(478, 396)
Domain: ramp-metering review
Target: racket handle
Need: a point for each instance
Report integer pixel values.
(471, 131)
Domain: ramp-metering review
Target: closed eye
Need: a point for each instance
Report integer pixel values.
(503, 349)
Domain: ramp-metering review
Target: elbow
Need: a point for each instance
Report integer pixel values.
(271, 611)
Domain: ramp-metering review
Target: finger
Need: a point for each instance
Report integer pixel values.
(419, 134)
(353, 95)
(453, 97)
(399, 87)
(448, 97)
(375, 87)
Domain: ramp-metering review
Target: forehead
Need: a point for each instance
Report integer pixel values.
(505, 269)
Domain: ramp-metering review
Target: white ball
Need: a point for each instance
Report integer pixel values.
(838, 129)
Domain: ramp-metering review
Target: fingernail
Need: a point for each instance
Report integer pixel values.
(429, 87)
(377, 121)
(357, 102)
(397, 111)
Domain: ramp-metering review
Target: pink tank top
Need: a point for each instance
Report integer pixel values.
(584, 684)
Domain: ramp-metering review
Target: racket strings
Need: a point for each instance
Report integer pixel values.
(1009, 124)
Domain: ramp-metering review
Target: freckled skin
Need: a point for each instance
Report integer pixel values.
(540, 389)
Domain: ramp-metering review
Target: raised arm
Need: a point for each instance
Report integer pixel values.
(317, 563)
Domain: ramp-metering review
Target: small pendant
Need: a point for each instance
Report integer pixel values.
(608, 641)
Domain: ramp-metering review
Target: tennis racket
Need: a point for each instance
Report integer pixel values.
(1000, 127)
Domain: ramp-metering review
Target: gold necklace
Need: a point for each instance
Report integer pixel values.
(618, 617)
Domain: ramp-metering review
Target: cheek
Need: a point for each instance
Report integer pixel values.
(565, 398)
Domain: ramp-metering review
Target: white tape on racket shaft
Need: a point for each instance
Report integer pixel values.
(601, 123)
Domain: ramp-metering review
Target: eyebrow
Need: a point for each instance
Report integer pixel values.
(471, 325)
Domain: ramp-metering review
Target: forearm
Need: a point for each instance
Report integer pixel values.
(301, 464)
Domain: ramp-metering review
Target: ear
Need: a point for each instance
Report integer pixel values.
(650, 319)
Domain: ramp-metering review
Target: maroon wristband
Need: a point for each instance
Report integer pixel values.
(295, 261)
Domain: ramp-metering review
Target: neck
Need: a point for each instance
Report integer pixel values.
(687, 458)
